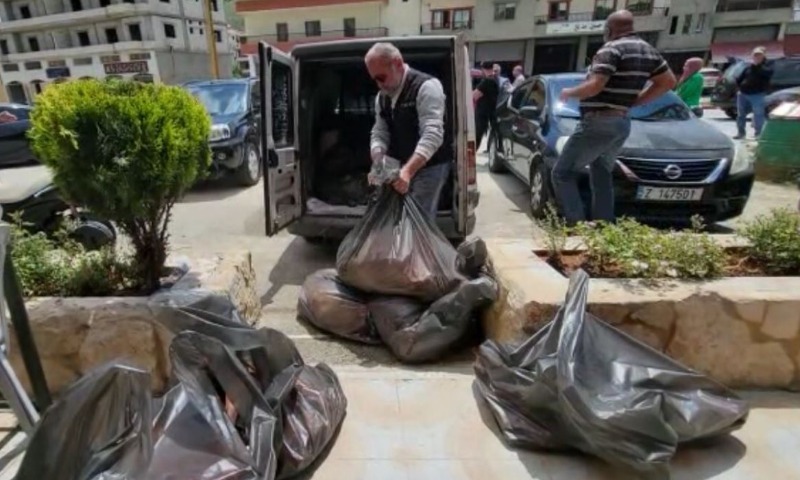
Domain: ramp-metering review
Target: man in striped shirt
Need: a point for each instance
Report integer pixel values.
(625, 72)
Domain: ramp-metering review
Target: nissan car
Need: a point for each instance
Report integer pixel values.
(672, 166)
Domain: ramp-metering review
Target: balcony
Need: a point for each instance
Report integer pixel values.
(447, 29)
(249, 44)
(647, 18)
(742, 5)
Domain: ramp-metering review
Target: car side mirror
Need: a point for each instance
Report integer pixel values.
(530, 113)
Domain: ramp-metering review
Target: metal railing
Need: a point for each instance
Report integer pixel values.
(440, 28)
(742, 5)
(640, 9)
(323, 34)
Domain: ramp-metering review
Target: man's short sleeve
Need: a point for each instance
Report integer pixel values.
(606, 61)
(661, 64)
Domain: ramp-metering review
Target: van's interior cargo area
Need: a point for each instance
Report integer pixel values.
(337, 106)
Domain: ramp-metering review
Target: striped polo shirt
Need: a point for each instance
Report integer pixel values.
(629, 62)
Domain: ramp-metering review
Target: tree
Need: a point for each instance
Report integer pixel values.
(127, 151)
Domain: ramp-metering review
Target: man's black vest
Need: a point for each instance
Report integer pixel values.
(403, 122)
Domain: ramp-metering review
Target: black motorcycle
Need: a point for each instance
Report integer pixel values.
(42, 209)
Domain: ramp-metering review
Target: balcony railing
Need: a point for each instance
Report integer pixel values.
(323, 35)
(444, 29)
(640, 9)
(741, 5)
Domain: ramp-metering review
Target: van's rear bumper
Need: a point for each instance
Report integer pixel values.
(336, 227)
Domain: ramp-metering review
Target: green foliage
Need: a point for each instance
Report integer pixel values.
(62, 267)
(633, 250)
(775, 241)
(555, 231)
(127, 151)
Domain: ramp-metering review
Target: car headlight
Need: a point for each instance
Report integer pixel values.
(742, 159)
(220, 132)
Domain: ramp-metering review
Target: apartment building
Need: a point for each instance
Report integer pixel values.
(46, 41)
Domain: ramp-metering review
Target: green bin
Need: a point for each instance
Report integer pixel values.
(778, 151)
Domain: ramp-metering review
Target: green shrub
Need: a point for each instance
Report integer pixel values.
(62, 267)
(633, 250)
(775, 241)
(555, 232)
(126, 150)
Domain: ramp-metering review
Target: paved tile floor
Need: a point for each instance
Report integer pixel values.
(427, 425)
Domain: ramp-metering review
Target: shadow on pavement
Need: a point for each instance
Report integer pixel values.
(701, 460)
(512, 188)
(298, 260)
(213, 190)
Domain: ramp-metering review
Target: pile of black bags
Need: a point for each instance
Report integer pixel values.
(243, 405)
(579, 383)
(399, 281)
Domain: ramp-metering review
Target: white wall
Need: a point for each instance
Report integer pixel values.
(402, 18)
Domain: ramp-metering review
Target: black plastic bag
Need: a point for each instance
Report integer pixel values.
(580, 383)
(396, 250)
(416, 334)
(332, 306)
(244, 406)
(472, 256)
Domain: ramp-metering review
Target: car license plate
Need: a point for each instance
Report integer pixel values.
(669, 194)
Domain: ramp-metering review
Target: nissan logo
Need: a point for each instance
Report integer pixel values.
(673, 172)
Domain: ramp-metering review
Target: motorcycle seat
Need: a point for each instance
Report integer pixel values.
(18, 184)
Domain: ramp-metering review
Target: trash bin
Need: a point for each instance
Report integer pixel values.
(776, 154)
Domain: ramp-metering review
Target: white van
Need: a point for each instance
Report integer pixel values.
(319, 108)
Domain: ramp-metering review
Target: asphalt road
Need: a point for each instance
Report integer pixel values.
(215, 219)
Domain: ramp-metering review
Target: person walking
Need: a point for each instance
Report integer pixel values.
(690, 85)
(409, 126)
(617, 80)
(753, 84)
(519, 77)
(486, 95)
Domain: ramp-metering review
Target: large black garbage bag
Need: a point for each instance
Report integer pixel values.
(98, 429)
(416, 334)
(396, 250)
(330, 305)
(472, 257)
(244, 405)
(581, 383)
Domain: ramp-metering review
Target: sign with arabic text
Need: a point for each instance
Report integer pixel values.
(120, 68)
(555, 28)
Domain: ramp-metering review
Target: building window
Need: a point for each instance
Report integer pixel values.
(603, 8)
(139, 56)
(218, 36)
(38, 86)
(109, 59)
(673, 25)
(701, 23)
(111, 35)
(25, 11)
(313, 28)
(283, 32)
(57, 63)
(505, 11)
(169, 30)
(83, 39)
(10, 67)
(349, 27)
(77, 6)
(462, 18)
(639, 7)
(33, 65)
(82, 61)
(214, 6)
(559, 11)
(135, 31)
(164, 1)
(440, 19)
(105, 3)
(33, 43)
(4, 47)
(687, 24)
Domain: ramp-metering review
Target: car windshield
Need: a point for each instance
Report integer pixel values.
(668, 107)
(221, 98)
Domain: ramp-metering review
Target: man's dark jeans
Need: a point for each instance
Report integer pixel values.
(595, 143)
(484, 121)
(427, 185)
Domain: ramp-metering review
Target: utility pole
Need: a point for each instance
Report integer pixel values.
(211, 38)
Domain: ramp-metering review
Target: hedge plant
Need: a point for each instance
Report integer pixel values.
(127, 151)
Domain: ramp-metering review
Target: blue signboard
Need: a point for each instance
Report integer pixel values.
(58, 72)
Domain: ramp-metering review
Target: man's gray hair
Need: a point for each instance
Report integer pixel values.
(385, 51)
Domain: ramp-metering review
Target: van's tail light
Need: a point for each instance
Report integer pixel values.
(471, 164)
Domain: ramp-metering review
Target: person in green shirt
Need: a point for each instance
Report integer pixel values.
(690, 86)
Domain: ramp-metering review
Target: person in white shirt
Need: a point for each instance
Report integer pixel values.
(519, 77)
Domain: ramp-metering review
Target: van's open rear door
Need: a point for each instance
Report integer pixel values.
(282, 193)
(465, 138)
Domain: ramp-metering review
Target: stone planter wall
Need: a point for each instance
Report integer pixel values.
(744, 332)
(75, 335)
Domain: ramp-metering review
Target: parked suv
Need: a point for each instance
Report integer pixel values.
(235, 109)
(672, 166)
(319, 108)
(786, 74)
(14, 144)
